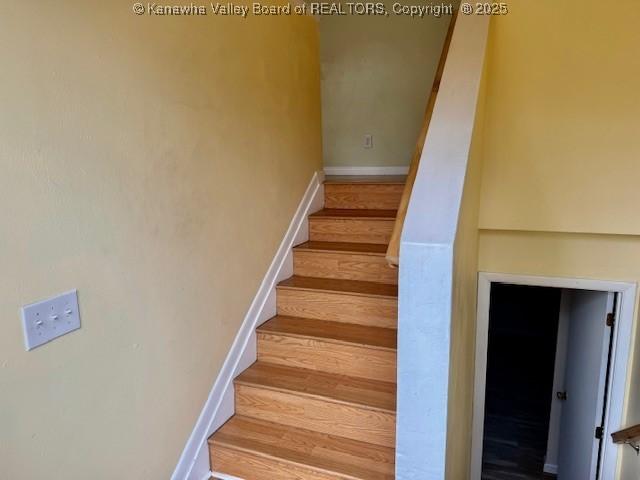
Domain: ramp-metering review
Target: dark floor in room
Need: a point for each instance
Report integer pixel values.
(522, 335)
(514, 448)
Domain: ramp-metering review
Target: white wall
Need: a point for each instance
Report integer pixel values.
(429, 284)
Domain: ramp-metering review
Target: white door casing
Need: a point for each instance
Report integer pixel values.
(622, 337)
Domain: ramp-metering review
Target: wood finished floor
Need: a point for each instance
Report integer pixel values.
(372, 337)
(351, 287)
(362, 248)
(320, 402)
(365, 179)
(342, 213)
(512, 449)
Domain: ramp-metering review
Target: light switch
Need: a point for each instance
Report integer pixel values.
(368, 141)
(43, 321)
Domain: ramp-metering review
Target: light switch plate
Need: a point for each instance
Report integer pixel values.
(43, 321)
(368, 141)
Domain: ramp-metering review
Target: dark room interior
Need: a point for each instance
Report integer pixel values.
(523, 326)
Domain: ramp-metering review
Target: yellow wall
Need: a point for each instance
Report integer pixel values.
(154, 164)
(602, 257)
(377, 73)
(560, 187)
(463, 324)
(562, 123)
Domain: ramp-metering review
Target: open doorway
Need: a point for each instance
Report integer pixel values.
(550, 374)
(523, 327)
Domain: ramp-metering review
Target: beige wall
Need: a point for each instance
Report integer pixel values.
(465, 293)
(377, 73)
(143, 162)
(562, 124)
(602, 257)
(561, 146)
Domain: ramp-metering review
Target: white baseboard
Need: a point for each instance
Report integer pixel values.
(549, 468)
(366, 170)
(219, 407)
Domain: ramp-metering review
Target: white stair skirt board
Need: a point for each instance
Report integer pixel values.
(223, 476)
(219, 407)
(346, 170)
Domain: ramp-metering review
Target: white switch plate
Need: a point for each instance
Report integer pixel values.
(43, 321)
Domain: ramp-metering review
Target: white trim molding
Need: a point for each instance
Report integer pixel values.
(621, 348)
(223, 476)
(219, 407)
(347, 170)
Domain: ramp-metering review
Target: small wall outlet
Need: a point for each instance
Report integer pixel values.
(368, 141)
(43, 321)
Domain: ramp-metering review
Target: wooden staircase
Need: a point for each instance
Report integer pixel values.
(319, 403)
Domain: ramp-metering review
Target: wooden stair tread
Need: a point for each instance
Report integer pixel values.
(345, 333)
(370, 394)
(366, 179)
(354, 213)
(320, 401)
(328, 453)
(343, 247)
(349, 287)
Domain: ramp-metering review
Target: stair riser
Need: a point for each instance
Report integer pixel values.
(359, 196)
(350, 230)
(348, 266)
(315, 414)
(246, 465)
(362, 310)
(330, 357)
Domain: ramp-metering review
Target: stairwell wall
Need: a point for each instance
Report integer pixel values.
(154, 163)
(464, 302)
(377, 73)
(438, 273)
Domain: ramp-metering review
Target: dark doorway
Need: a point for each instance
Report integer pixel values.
(523, 328)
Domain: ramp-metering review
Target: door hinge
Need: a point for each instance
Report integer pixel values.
(611, 319)
(599, 433)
